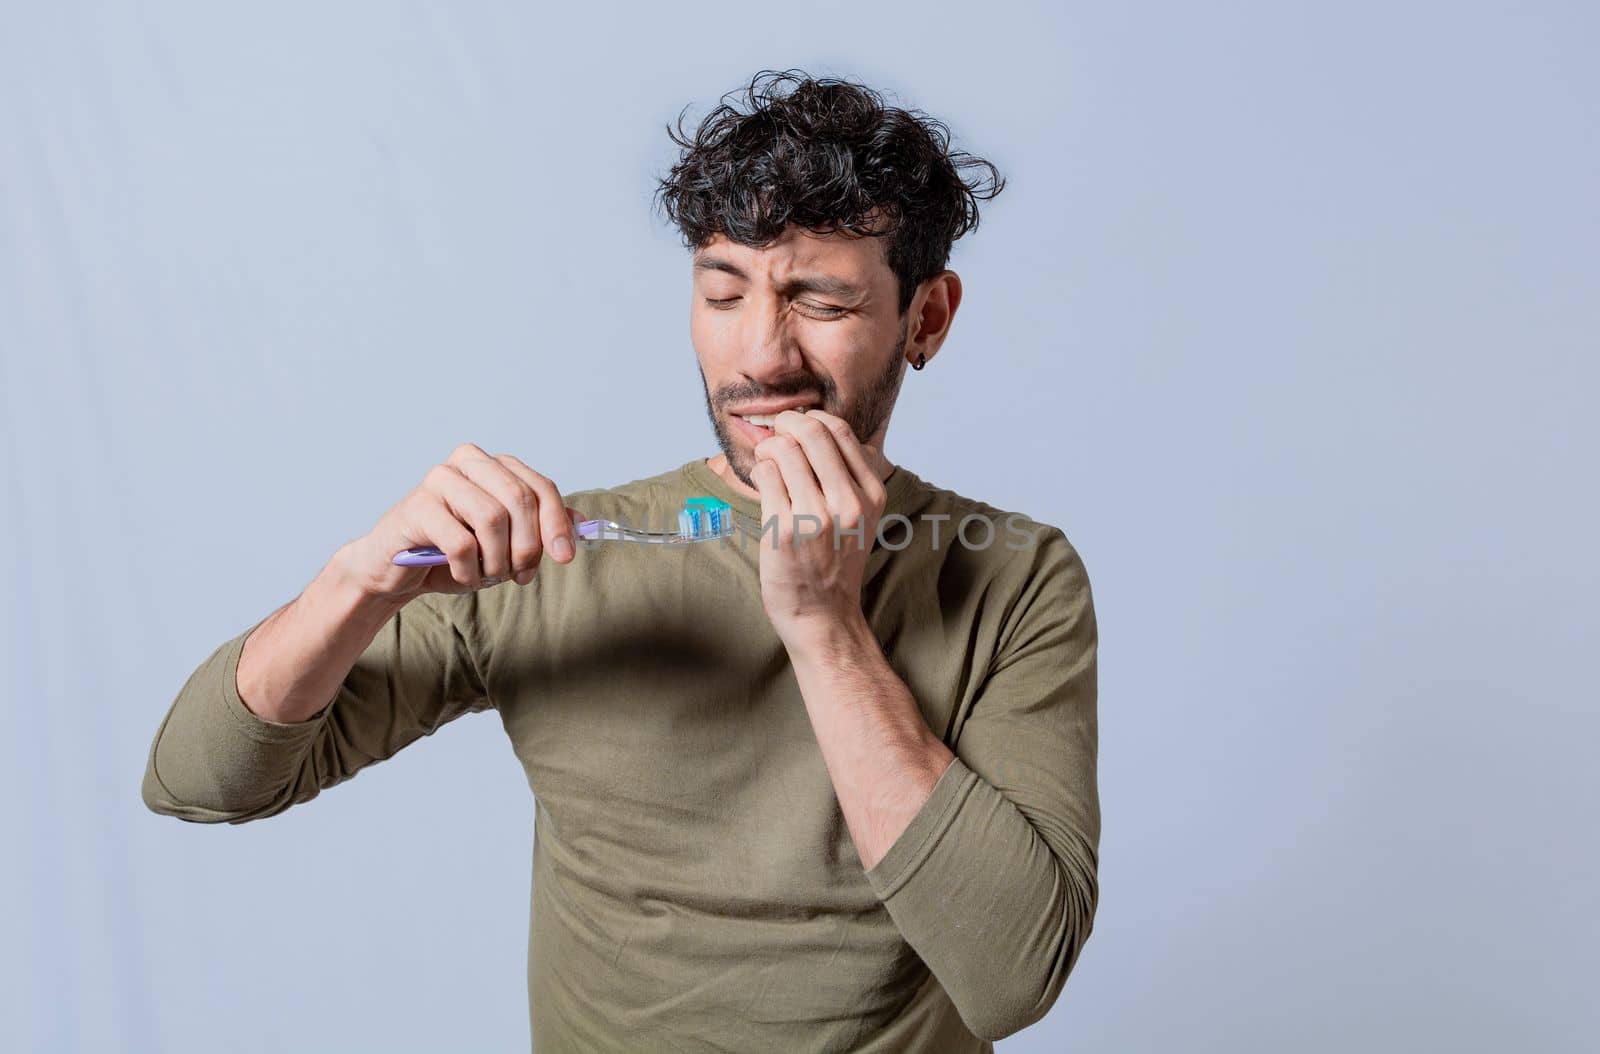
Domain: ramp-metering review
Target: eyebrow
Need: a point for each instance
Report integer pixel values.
(827, 285)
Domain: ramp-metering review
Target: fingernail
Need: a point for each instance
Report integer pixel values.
(562, 547)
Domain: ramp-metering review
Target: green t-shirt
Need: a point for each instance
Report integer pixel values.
(694, 884)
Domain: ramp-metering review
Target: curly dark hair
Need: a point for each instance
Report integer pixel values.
(829, 155)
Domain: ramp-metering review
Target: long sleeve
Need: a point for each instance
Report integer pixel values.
(213, 760)
(994, 881)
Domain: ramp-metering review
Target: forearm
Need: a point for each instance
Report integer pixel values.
(880, 753)
(998, 911)
(293, 664)
(216, 758)
(997, 898)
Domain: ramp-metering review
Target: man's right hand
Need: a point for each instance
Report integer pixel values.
(493, 517)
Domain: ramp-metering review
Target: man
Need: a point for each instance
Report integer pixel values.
(815, 789)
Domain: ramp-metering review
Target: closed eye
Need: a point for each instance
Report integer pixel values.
(825, 311)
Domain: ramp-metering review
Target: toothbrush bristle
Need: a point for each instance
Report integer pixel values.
(705, 518)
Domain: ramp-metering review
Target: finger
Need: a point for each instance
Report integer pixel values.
(807, 515)
(431, 520)
(520, 502)
(821, 446)
(858, 456)
(464, 453)
(556, 521)
(768, 479)
(489, 520)
(805, 493)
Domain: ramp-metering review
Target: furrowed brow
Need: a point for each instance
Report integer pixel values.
(826, 285)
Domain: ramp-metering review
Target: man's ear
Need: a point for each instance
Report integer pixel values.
(932, 311)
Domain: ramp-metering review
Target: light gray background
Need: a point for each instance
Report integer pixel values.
(1288, 318)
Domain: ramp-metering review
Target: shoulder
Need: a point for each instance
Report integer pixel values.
(1026, 568)
(1006, 538)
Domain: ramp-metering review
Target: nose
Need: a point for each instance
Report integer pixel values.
(771, 349)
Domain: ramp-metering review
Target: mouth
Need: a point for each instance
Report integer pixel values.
(758, 426)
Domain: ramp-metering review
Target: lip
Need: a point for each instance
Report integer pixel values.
(754, 433)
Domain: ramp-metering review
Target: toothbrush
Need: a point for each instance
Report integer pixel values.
(700, 520)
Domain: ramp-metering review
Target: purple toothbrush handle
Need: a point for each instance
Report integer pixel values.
(428, 555)
(422, 557)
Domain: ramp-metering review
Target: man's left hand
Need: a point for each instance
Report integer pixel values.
(820, 483)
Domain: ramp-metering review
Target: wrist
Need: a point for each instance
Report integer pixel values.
(342, 589)
(830, 639)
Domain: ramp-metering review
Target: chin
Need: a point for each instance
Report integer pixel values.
(741, 467)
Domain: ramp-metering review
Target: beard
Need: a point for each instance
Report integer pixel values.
(865, 413)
